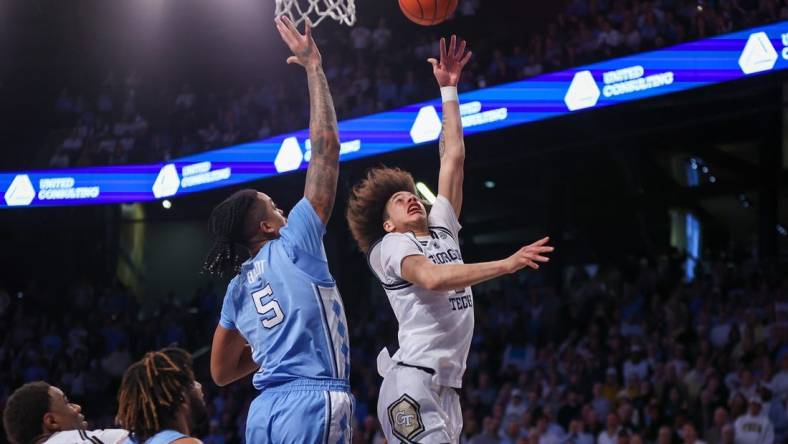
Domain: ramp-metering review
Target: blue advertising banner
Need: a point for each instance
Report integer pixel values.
(679, 68)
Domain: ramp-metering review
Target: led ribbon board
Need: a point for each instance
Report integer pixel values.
(678, 68)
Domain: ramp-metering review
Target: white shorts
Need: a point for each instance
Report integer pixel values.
(414, 410)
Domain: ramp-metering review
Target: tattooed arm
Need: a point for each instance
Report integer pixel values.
(321, 176)
(451, 146)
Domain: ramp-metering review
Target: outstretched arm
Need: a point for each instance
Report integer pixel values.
(419, 270)
(321, 176)
(451, 146)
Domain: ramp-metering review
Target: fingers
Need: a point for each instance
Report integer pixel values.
(290, 25)
(284, 31)
(460, 50)
(530, 255)
(453, 46)
(540, 242)
(547, 249)
(443, 48)
(308, 28)
(292, 59)
(433, 62)
(465, 59)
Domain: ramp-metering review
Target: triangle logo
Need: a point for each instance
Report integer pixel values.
(21, 192)
(167, 182)
(759, 54)
(583, 92)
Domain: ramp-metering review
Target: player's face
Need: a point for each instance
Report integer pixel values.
(198, 412)
(65, 415)
(275, 216)
(405, 212)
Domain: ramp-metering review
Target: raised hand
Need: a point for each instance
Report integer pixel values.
(449, 69)
(528, 256)
(305, 51)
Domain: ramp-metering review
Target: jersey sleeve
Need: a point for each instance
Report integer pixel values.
(394, 248)
(227, 316)
(109, 436)
(304, 229)
(442, 215)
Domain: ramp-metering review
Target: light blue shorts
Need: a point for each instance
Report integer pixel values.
(302, 411)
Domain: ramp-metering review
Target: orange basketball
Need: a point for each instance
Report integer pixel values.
(427, 12)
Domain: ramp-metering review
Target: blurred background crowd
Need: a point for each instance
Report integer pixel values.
(622, 353)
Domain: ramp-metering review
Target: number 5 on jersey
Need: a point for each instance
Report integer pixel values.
(267, 308)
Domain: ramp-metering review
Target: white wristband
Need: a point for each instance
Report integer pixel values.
(449, 93)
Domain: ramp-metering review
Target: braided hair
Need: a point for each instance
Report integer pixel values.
(233, 223)
(152, 391)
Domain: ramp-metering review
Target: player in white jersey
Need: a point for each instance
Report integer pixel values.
(416, 257)
(39, 413)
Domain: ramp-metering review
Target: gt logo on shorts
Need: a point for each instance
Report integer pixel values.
(405, 418)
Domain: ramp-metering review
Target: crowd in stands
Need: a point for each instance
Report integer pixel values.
(127, 120)
(624, 354)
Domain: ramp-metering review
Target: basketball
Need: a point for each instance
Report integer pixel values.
(428, 12)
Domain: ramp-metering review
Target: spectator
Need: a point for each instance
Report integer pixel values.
(546, 434)
(570, 410)
(690, 435)
(59, 160)
(469, 7)
(185, 99)
(778, 415)
(665, 435)
(754, 427)
(600, 402)
(360, 36)
(516, 407)
(779, 383)
(728, 434)
(611, 388)
(489, 433)
(713, 434)
(511, 432)
(612, 429)
(73, 142)
(381, 36)
(577, 434)
(635, 366)
(609, 38)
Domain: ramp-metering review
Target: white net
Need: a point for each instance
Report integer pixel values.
(343, 11)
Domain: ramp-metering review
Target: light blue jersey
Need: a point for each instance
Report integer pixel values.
(285, 303)
(163, 437)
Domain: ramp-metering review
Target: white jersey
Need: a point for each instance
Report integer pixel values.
(754, 430)
(435, 327)
(107, 436)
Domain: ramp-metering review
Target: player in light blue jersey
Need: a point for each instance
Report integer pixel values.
(282, 317)
(160, 401)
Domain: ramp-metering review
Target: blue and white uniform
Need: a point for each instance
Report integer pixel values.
(286, 305)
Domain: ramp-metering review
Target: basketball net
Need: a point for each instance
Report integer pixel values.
(343, 11)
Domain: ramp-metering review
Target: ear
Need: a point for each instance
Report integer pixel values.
(388, 225)
(266, 228)
(49, 422)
